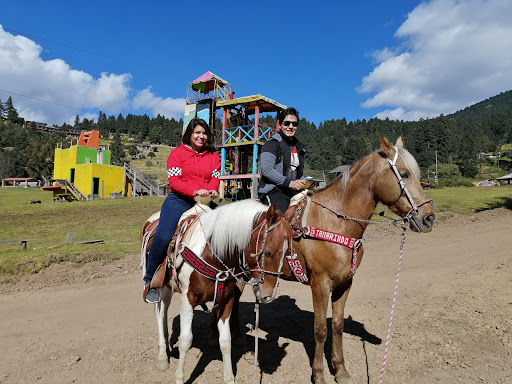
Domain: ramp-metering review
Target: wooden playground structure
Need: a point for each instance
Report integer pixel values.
(240, 139)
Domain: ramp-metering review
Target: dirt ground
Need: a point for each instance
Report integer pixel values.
(452, 324)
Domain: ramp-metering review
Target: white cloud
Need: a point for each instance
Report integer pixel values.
(453, 54)
(167, 107)
(24, 72)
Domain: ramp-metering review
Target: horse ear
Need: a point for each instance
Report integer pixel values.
(272, 214)
(399, 142)
(386, 146)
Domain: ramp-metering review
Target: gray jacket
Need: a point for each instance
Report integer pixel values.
(275, 163)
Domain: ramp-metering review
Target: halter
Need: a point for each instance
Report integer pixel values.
(403, 189)
(259, 255)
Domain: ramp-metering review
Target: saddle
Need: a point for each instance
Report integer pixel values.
(186, 220)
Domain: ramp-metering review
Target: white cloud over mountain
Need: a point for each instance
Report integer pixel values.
(452, 54)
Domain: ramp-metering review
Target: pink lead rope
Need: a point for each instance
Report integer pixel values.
(388, 337)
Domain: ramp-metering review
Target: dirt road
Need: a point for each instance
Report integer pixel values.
(453, 319)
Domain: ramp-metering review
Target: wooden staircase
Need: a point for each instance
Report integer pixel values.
(140, 184)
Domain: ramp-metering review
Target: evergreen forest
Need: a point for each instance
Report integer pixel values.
(463, 140)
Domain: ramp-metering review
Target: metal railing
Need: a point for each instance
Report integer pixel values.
(139, 182)
(74, 191)
(246, 133)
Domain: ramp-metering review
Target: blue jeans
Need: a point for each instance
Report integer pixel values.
(173, 207)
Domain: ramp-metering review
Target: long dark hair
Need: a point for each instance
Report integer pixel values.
(208, 147)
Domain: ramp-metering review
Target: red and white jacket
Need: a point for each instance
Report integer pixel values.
(189, 171)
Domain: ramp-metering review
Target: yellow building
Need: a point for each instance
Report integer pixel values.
(83, 171)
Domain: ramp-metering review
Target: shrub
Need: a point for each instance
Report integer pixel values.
(454, 183)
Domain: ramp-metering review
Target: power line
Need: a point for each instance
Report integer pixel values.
(46, 101)
(95, 53)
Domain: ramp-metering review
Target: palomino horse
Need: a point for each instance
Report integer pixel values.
(206, 267)
(339, 214)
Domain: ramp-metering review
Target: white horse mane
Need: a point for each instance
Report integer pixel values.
(229, 226)
(407, 159)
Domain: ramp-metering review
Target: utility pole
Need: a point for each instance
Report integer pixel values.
(435, 178)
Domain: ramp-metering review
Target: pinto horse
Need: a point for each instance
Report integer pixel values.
(340, 213)
(246, 236)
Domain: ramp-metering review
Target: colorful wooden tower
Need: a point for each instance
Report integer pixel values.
(240, 139)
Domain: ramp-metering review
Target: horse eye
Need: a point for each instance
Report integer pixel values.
(404, 175)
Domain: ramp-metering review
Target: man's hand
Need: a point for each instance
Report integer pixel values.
(297, 184)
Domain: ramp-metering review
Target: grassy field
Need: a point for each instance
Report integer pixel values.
(118, 223)
(470, 200)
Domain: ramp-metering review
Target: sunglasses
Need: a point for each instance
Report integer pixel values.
(287, 123)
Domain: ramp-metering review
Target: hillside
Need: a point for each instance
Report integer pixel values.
(500, 105)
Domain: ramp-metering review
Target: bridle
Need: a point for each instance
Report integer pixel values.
(260, 257)
(403, 189)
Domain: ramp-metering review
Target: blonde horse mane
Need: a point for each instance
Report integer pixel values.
(229, 226)
(408, 161)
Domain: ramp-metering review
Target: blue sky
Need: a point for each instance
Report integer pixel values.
(400, 59)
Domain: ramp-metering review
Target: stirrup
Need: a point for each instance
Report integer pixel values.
(152, 293)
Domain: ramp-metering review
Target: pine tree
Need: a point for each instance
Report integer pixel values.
(12, 113)
(117, 150)
(77, 124)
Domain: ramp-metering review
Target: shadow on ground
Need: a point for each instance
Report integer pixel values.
(281, 318)
(505, 202)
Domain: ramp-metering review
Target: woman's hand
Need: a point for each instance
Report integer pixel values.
(213, 194)
(202, 193)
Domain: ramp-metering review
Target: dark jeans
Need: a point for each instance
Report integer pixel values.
(278, 197)
(173, 207)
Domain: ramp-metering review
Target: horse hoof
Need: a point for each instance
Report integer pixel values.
(162, 365)
(319, 380)
(343, 380)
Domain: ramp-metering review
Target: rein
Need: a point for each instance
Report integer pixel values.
(259, 254)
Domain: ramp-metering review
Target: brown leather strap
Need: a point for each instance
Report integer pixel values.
(158, 278)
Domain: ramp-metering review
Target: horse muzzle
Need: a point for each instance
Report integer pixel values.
(422, 223)
(264, 295)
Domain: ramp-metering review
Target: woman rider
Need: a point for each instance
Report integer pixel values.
(193, 169)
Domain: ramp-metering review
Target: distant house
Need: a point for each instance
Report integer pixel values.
(18, 181)
(339, 170)
(505, 179)
(145, 149)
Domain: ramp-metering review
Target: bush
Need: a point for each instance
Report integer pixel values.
(446, 171)
(454, 183)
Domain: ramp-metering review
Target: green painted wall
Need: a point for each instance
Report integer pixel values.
(106, 157)
(83, 153)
